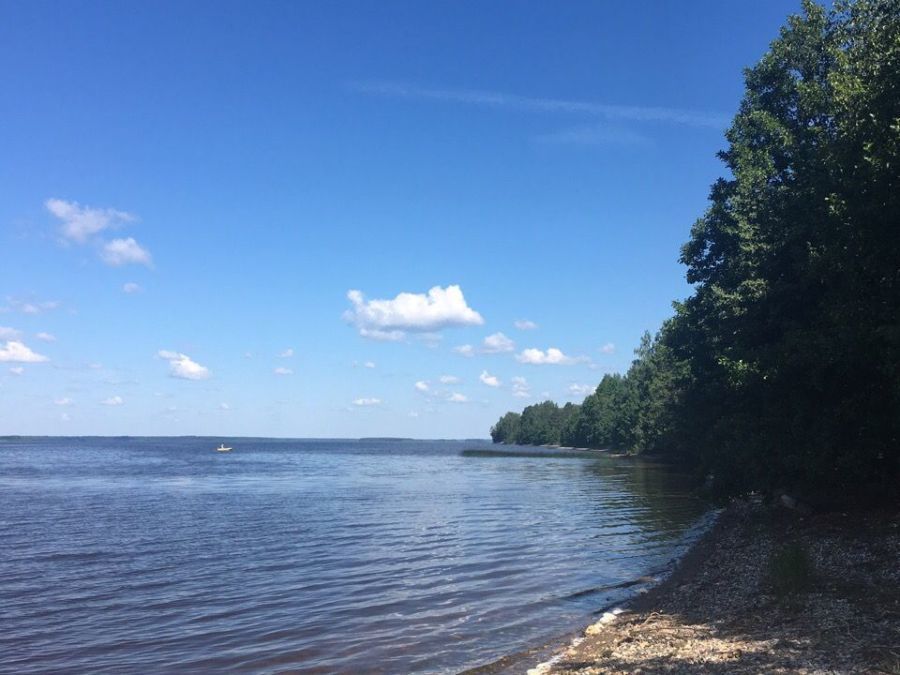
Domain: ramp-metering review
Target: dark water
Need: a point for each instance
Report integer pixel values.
(161, 555)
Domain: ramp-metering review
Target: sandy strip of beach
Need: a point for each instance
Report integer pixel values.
(743, 600)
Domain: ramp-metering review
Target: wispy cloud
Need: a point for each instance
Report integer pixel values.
(283, 371)
(79, 223)
(608, 348)
(366, 402)
(46, 337)
(593, 134)
(497, 343)
(131, 288)
(286, 354)
(119, 252)
(525, 324)
(497, 99)
(113, 401)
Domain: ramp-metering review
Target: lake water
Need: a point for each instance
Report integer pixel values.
(161, 555)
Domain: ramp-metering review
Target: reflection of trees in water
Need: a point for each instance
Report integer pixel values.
(658, 497)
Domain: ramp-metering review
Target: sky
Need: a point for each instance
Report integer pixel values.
(345, 219)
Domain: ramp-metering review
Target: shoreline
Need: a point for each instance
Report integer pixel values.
(720, 610)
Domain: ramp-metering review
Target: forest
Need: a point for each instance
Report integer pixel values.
(781, 371)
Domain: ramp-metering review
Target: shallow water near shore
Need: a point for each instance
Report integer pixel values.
(159, 554)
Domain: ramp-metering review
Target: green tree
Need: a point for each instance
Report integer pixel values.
(791, 338)
(506, 430)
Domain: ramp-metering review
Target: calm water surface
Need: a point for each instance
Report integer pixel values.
(161, 555)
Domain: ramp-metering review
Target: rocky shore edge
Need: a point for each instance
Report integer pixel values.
(767, 589)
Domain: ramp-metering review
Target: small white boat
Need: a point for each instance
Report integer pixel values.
(222, 448)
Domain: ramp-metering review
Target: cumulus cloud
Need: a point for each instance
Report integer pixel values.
(366, 401)
(525, 324)
(488, 379)
(497, 344)
(119, 252)
(18, 352)
(113, 401)
(182, 366)
(283, 371)
(552, 356)
(449, 379)
(131, 288)
(410, 312)
(520, 388)
(422, 386)
(465, 350)
(80, 223)
(458, 398)
(7, 333)
(608, 348)
(580, 389)
(46, 337)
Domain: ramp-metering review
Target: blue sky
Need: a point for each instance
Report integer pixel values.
(326, 219)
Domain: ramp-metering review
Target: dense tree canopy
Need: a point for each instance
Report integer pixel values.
(782, 370)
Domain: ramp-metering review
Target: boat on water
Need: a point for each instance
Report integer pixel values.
(222, 448)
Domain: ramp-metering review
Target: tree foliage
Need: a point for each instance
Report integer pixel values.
(782, 369)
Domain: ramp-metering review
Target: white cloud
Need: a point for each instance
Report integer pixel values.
(458, 398)
(525, 324)
(113, 401)
(46, 337)
(9, 333)
(127, 251)
(465, 350)
(488, 379)
(17, 352)
(580, 389)
(80, 223)
(34, 307)
(16, 370)
(131, 288)
(422, 386)
(367, 401)
(449, 379)
(498, 100)
(224, 406)
(520, 388)
(65, 401)
(286, 354)
(497, 344)
(414, 312)
(181, 365)
(608, 348)
(369, 364)
(283, 371)
(552, 356)
(382, 335)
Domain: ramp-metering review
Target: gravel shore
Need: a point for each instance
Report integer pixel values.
(767, 590)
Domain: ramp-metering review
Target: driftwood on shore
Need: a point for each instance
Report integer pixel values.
(722, 611)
